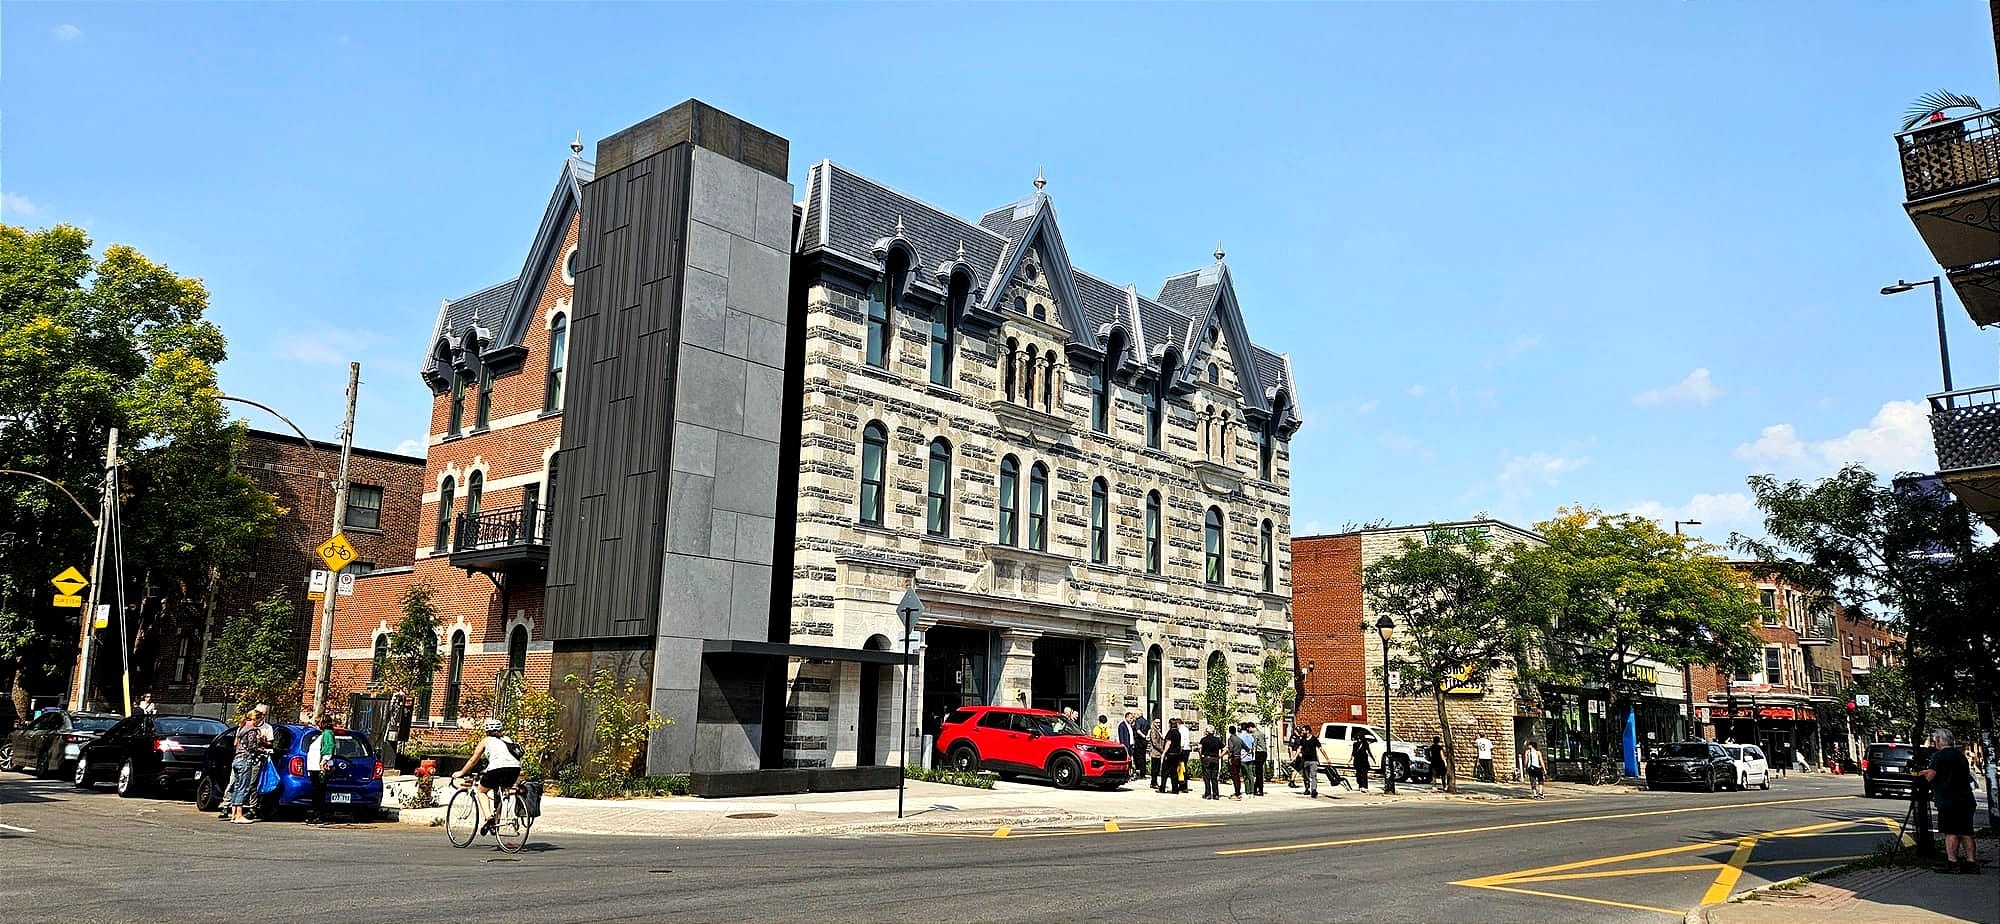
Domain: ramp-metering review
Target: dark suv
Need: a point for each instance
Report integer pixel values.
(1889, 765)
(1030, 741)
(1701, 764)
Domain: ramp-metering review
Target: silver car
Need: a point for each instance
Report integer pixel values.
(49, 745)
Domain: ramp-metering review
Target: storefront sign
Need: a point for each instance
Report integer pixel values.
(1773, 713)
(1457, 535)
(1642, 673)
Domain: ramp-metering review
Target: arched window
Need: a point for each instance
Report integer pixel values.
(1010, 508)
(1225, 444)
(1152, 419)
(1153, 532)
(878, 323)
(1211, 543)
(1028, 357)
(1049, 382)
(1041, 312)
(552, 392)
(1007, 362)
(482, 412)
(517, 650)
(475, 490)
(1100, 528)
(1208, 431)
(455, 420)
(454, 673)
(1020, 304)
(445, 499)
(1267, 555)
(1156, 682)
(943, 344)
(1100, 397)
(874, 447)
(937, 497)
(1214, 374)
(380, 662)
(1038, 508)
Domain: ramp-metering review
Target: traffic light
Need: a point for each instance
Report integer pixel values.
(1850, 705)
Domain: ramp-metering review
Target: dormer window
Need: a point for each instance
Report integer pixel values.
(1214, 374)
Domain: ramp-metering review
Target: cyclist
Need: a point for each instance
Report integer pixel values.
(502, 771)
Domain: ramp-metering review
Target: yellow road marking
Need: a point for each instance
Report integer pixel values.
(1611, 873)
(1593, 901)
(1856, 856)
(1110, 826)
(1002, 832)
(1242, 851)
(1013, 833)
(1901, 835)
(1725, 881)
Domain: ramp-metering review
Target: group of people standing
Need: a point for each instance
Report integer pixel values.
(254, 738)
(1161, 751)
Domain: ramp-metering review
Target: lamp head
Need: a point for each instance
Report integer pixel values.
(1385, 627)
(1899, 288)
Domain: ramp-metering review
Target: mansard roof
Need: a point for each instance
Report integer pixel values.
(488, 325)
(848, 216)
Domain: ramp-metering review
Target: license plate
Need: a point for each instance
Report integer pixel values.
(1896, 767)
(197, 776)
(341, 797)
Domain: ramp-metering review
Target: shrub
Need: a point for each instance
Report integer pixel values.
(621, 720)
(979, 780)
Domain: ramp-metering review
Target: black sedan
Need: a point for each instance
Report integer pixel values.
(50, 743)
(1702, 764)
(147, 753)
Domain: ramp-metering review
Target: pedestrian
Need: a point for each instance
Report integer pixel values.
(1253, 759)
(145, 705)
(1435, 755)
(1293, 744)
(1101, 731)
(1234, 744)
(1362, 756)
(1308, 748)
(1482, 748)
(319, 762)
(1211, 765)
(1157, 744)
(1176, 759)
(1781, 759)
(1130, 738)
(1950, 779)
(1534, 768)
(253, 747)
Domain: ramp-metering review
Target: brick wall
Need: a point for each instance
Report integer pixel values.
(1326, 627)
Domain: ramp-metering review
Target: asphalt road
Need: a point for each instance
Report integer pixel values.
(1623, 856)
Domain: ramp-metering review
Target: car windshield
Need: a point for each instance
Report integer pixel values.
(1890, 752)
(94, 722)
(178, 725)
(1685, 749)
(1735, 751)
(350, 746)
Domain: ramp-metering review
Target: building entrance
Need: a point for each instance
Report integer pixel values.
(1058, 680)
(956, 662)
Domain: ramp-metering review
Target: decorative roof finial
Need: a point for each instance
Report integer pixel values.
(899, 224)
(1218, 251)
(1040, 180)
(961, 248)
(576, 147)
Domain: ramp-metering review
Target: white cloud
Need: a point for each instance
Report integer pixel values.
(1897, 439)
(321, 345)
(1697, 388)
(1514, 348)
(1719, 514)
(1417, 391)
(1521, 476)
(1369, 406)
(411, 447)
(67, 32)
(17, 204)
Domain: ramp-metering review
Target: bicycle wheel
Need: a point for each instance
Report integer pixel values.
(461, 818)
(514, 830)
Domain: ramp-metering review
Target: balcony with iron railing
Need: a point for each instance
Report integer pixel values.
(1950, 155)
(1965, 429)
(1951, 183)
(509, 539)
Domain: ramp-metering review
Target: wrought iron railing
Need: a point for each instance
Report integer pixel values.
(491, 529)
(1945, 156)
(1965, 427)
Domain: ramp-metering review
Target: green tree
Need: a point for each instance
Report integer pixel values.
(1456, 621)
(1217, 700)
(1908, 553)
(1614, 590)
(88, 344)
(620, 720)
(413, 661)
(253, 661)
(533, 717)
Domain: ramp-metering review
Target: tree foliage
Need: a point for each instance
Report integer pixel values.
(252, 660)
(88, 344)
(1216, 703)
(620, 720)
(413, 660)
(532, 716)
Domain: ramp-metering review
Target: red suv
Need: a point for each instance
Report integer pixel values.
(1030, 741)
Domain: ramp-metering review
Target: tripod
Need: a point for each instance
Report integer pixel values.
(1919, 815)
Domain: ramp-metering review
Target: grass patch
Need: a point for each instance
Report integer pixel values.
(571, 784)
(949, 777)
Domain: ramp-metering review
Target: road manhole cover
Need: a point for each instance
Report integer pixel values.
(754, 815)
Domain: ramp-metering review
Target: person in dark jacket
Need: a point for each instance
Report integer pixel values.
(1435, 754)
(1211, 765)
(1133, 740)
(1950, 778)
(1363, 756)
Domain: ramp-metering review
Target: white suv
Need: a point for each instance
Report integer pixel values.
(1751, 767)
(1337, 738)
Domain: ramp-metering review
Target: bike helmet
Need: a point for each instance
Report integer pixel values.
(492, 725)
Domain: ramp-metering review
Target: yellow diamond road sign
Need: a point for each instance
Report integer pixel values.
(70, 581)
(337, 552)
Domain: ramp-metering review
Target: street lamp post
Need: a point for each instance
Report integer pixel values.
(1687, 667)
(1937, 296)
(1386, 627)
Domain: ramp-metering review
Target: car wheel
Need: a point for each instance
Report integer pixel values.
(81, 777)
(1711, 782)
(1065, 772)
(206, 797)
(964, 759)
(1742, 781)
(1399, 767)
(6, 757)
(128, 780)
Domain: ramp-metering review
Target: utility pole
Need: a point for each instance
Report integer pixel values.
(81, 699)
(325, 675)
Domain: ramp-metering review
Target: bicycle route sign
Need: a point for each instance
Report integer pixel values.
(337, 552)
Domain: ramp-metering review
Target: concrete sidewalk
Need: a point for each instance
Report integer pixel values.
(1876, 895)
(934, 805)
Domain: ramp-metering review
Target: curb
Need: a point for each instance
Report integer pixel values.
(1699, 913)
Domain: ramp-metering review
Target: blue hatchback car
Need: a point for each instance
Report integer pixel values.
(354, 782)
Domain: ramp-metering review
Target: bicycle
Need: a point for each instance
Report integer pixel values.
(1606, 769)
(464, 821)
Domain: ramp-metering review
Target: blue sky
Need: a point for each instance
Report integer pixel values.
(1522, 254)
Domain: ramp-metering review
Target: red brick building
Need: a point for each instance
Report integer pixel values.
(495, 365)
(381, 523)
